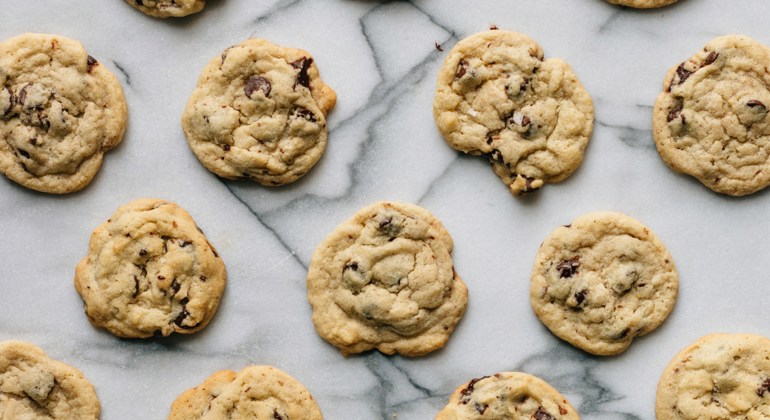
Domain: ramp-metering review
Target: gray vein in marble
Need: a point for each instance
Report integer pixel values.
(278, 7)
(125, 74)
(634, 137)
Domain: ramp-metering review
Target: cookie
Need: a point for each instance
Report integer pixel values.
(497, 97)
(643, 4)
(711, 120)
(254, 393)
(259, 113)
(150, 271)
(507, 395)
(602, 281)
(168, 8)
(384, 279)
(60, 111)
(720, 376)
(33, 386)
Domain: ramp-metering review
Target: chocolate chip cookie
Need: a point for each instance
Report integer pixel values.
(168, 8)
(711, 120)
(602, 281)
(33, 386)
(60, 111)
(643, 4)
(720, 376)
(507, 395)
(497, 97)
(150, 271)
(254, 393)
(384, 279)
(259, 112)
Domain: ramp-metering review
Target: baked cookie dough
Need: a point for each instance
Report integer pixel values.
(711, 120)
(721, 376)
(602, 281)
(259, 112)
(254, 393)
(33, 386)
(497, 97)
(168, 8)
(60, 111)
(507, 395)
(150, 271)
(384, 279)
(643, 4)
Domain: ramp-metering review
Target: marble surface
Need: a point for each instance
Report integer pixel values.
(380, 57)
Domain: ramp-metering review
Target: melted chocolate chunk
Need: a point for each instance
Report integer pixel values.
(24, 153)
(11, 101)
(580, 296)
(255, 83)
(136, 287)
(143, 252)
(302, 77)
(91, 63)
(23, 95)
(481, 408)
(175, 286)
(183, 243)
(301, 112)
(763, 387)
(541, 414)
(622, 334)
(226, 147)
(139, 2)
(682, 73)
(351, 266)
(203, 278)
(568, 268)
(462, 68)
(755, 103)
(277, 416)
(711, 58)
(674, 113)
(465, 394)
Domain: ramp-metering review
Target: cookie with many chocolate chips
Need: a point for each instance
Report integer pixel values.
(643, 4)
(507, 395)
(602, 281)
(711, 120)
(33, 386)
(259, 112)
(254, 393)
(168, 8)
(384, 279)
(720, 376)
(150, 271)
(60, 111)
(497, 97)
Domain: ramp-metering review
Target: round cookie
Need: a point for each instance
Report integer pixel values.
(150, 271)
(254, 393)
(384, 279)
(259, 112)
(33, 386)
(497, 97)
(602, 281)
(643, 4)
(711, 121)
(168, 8)
(60, 111)
(507, 395)
(721, 376)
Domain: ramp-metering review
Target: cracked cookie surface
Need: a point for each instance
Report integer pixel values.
(497, 97)
(711, 121)
(168, 8)
(384, 279)
(602, 281)
(150, 271)
(643, 4)
(259, 112)
(507, 395)
(254, 393)
(60, 111)
(33, 386)
(720, 376)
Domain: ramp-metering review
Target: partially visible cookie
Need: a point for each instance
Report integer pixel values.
(643, 4)
(60, 111)
(602, 281)
(150, 271)
(507, 395)
(720, 376)
(497, 97)
(254, 393)
(33, 386)
(711, 120)
(384, 279)
(259, 112)
(168, 8)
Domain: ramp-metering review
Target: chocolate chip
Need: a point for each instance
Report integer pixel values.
(302, 77)
(277, 416)
(136, 287)
(301, 112)
(492, 27)
(465, 394)
(754, 103)
(11, 101)
(621, 335)
(568, 268)
(711, 58)
(683, 73)
(528, 184)
(24, 153)
(525, 121)
(462, 68)
(763, 387)
(213, 251)
(23, 94)
(33, 141)
(674, 113)
(203, 278)
(91, 63)
(351, 266)
(385, 222)
(139, 2)
(183, 243)
(541, 414)
(480, 408)
(255, 83)
(161, 278)
(438, 46)
(181, 317)
(226, 147)
(580, 296)
(175, 286)
(143, 252)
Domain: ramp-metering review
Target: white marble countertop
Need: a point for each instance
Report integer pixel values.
(380, 58)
